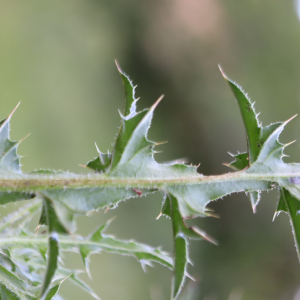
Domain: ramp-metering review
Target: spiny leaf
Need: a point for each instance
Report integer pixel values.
(131, 171)
(249, 117)
(130, 100)
(26, 210)
(255, 134)
(132, 137)
(51, 263)
(291, 205)
(54, 228)
(193, 199)
(240, 163)
(6, 294)
(180, 235)
(77, 281)
(69, 202)
(94, 243)
(101, 163)
(52, 292)
(15, 285)
(43, 217)
(53, 222)
(281, 206)
(9, 160)
(267, 158)
(99, 241)
(36, 264)
(7, 197)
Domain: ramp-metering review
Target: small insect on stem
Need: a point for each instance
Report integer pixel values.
(138, 192)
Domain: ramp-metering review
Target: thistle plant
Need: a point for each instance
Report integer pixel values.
(30, 267)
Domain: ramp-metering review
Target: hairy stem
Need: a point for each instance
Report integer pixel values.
(32, 182)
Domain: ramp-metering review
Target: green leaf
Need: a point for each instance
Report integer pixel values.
(9, 160)
(53, 253)
(77, 281)
(99, 241)
(6, 294)
(281, 206)
(101, 163)
(241, 161)
(95, 243)
(180, 236)
(130, 100)
(291, 206)
(55, 227)
(104, 160)
(249, 117)
(53, 222)
(16, 287)
(43, 217)
(69, 202)
(26, 210)
(255, 134)
(270, 163)
(131, 171)
(53, 290)
(106, 243)
(7, 197)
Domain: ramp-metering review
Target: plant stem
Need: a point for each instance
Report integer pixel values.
(28, 182)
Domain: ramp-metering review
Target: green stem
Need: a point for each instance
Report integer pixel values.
(31, 182)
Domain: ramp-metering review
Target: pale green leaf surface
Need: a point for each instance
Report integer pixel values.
(106, 243)
(99, 241)
(94, 243)
(26, 210)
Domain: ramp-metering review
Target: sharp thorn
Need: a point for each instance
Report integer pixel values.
(37, 230)
(290, 119)
(157, 102)
(160, 214)
(222, 72)
(9, 116)
(25, 137)
(118, 66)
(82, 166)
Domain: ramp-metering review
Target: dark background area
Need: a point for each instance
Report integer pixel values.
(57, 58)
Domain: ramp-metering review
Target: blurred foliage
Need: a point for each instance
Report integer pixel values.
(57, 57)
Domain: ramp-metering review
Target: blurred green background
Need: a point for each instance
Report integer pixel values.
(57, 58)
